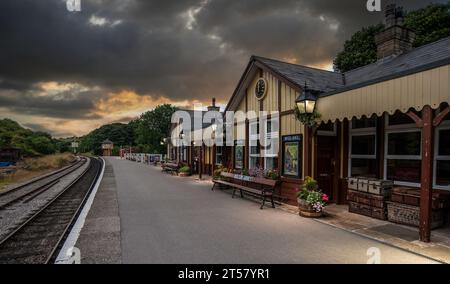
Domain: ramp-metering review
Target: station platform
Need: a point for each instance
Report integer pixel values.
(141, 215)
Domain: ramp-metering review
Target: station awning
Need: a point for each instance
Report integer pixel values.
(429, 87)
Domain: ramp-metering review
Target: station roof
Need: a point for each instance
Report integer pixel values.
(423, 58)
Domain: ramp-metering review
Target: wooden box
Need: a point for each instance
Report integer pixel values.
(380, 187)
(410, 215)
(352, 183)
(366, 210)
(363, 184)
(411, 196)
(377, 201)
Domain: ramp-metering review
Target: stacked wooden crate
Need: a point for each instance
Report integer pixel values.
(369, 197)
(404, 207)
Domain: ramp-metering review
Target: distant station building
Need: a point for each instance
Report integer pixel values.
(107, 148)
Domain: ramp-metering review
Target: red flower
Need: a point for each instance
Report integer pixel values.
(325, 198)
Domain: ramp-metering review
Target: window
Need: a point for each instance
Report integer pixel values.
(254, 153)
(442, 157)
(362, 148)
(291, 156)
(403, 150)
(271, 145)
(327, 129)
(218, 155)
(239, 154)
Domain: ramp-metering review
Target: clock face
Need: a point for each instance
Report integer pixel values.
(261, 88)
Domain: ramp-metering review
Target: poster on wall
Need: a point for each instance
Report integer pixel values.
(291, 155)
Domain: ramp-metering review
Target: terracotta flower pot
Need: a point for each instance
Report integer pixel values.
(306, 210)
(183, 174)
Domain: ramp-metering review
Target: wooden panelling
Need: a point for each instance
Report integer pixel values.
(431, 87)
(290, 125)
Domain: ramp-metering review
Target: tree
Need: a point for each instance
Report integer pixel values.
(430, 24)
(31, 143)
(153, 126)
(359, 51)
(120, 134)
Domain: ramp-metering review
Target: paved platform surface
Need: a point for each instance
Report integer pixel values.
(404, 237)
(167, 219)
(99, 240)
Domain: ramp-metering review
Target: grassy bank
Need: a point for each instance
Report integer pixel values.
(33, 167)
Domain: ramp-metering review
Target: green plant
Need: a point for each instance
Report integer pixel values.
(308, 119)
(312, 195)
(185, 170)
(272, 174)
(310, 184)
(218, 171)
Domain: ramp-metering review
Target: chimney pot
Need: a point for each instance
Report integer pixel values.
(395, 39)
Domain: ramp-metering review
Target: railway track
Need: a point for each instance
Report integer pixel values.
(38, 240)
(26, 192)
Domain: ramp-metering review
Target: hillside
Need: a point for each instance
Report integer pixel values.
(12, 134)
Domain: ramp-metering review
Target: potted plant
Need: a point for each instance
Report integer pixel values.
(272, 174)
(184, 171)
(311, 201)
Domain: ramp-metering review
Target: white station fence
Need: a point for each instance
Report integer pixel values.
(144, 158)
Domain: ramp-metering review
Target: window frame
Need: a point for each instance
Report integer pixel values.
(445, 125)
(328, 133)
(274, 137)
(401, 128)
(219, 154)
(360, 132)
(239, 143)
(252, 139)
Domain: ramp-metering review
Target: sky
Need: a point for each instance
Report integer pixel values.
(68, 73)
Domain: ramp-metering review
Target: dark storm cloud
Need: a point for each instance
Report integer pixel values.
(67, 104)
(191, 49)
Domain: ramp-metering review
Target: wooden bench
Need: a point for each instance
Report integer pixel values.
(261, 187)
(171, 168)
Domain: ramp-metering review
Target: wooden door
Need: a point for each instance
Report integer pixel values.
(326, 162)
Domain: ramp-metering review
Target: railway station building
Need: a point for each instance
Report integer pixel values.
(389, 120)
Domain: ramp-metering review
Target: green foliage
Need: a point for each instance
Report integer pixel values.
(272, 174)
(153, 126)
(310, 184)
(359, 51)
(185, 170)
(31, 143)
(144, 134)
(430, 24)
(120, 134)
(307, 119)
(41, 144)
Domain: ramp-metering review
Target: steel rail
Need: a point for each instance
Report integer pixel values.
(53, 179)
(33, 181)
(69, 223)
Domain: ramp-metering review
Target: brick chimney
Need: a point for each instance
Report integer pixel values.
(395, 39)
(213, 107)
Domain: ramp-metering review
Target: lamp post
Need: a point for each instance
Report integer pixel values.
(306, 101)
(306, 105)
(213, 158)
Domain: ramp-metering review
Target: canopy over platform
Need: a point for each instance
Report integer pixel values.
(430, 87)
